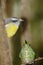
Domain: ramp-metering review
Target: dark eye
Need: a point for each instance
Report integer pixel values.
(14, 20)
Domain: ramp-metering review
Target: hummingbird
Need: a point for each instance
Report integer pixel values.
(27, 55)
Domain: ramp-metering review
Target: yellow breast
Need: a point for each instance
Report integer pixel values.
(11, 29)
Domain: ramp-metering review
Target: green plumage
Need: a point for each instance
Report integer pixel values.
(27, 54)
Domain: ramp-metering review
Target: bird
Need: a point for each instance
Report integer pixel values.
(12, 25)
(27, 54)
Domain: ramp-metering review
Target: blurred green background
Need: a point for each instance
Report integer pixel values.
(32, 28)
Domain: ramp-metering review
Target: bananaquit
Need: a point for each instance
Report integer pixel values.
(12, 25)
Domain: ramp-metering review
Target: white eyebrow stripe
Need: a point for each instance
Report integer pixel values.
(8, 20)
(14, 19)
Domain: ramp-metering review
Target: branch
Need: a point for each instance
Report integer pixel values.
(4, 46)
(3, 7)
(38, 59)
